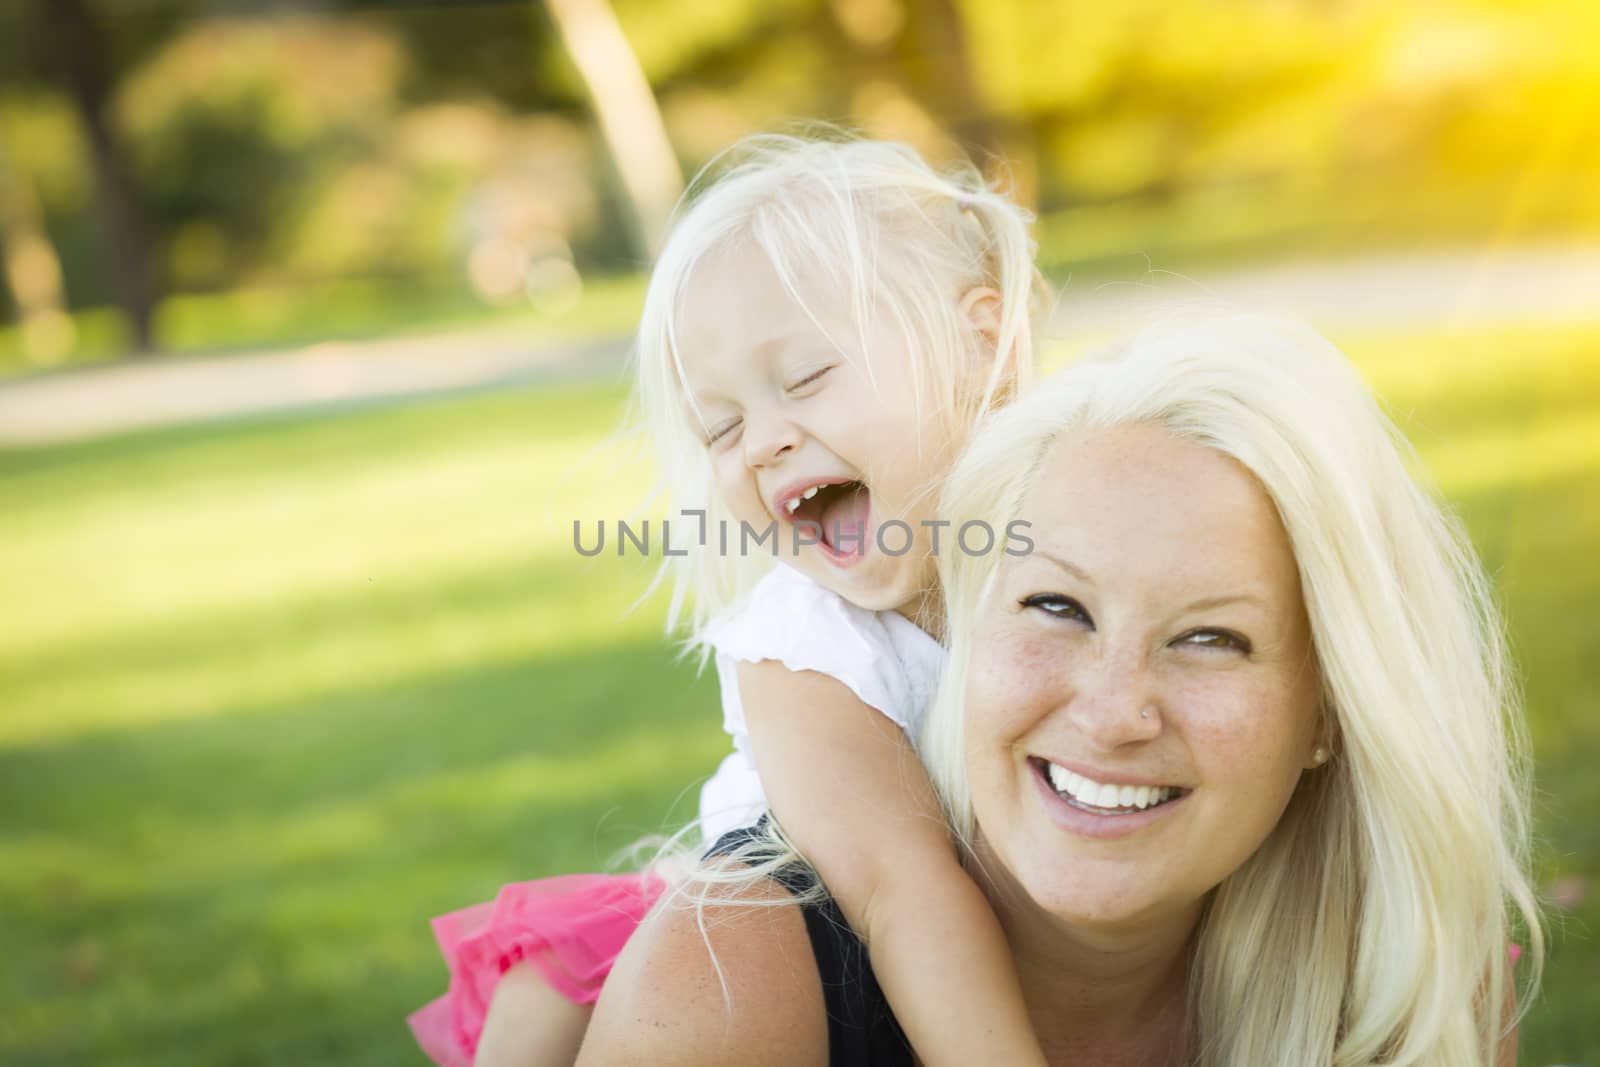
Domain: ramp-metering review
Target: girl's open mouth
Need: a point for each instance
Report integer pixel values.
(838, 515)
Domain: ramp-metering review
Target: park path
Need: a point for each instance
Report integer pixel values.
(1543, 283)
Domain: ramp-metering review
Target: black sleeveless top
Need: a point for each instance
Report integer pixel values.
(862, 1031)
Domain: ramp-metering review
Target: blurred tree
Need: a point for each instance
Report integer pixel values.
(239, 123)
(76, 38)
(627, 112)
(923, 47)
(32, 268)
(939, 55)
(280, 144)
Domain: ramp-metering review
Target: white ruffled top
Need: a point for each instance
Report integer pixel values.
(888, 661)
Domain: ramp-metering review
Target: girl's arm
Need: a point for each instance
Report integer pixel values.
(847, 789)
(529, 1022)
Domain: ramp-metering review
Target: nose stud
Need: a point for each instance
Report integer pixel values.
(1144, 714)
(1319, 756)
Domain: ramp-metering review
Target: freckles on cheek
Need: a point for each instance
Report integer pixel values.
(1011, 677)
(1239, 731)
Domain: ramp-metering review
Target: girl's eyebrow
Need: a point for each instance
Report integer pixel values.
(703, 398)
(762, 349)
(1061, 564)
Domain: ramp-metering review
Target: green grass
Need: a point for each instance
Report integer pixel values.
(273, 693)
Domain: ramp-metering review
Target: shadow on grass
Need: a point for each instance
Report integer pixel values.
(178, 668)
(273, 873)
(340, 748)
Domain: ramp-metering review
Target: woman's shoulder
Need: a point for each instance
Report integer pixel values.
(733, 982)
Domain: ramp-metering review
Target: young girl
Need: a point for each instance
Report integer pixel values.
(825, 325)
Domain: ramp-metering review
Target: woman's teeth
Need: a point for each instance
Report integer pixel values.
(1100, 795)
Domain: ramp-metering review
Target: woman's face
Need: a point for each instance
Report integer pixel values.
(1142, 695)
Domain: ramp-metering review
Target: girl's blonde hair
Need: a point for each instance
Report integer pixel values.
(870, 226)
(1372, 924)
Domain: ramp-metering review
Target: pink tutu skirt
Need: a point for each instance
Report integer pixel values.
(570, 929)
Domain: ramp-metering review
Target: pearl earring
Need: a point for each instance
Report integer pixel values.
(1319, 756)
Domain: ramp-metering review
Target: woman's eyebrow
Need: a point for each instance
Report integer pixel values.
(1206, 603)
(1203, 604)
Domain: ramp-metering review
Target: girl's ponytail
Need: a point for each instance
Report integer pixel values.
(1025, 299)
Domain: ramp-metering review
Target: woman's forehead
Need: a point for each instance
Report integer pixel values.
(1136, 502)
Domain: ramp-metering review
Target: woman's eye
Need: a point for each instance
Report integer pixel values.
(1057, 605)
(721, 431)
(810, 379)
(1225, 640)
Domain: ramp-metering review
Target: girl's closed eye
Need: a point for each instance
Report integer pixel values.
(722, 431)
(810, 379)
(1057, 606)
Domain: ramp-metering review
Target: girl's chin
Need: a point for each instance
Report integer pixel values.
(868, 587)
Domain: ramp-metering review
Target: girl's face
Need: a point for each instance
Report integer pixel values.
(823, 446)
(1142, 697)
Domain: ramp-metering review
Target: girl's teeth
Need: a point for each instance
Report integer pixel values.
(1095, 794)
(793, 505)
(809, 493)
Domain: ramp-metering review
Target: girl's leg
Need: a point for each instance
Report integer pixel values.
(529, 1024)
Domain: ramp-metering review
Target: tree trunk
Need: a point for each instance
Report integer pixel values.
(938, 34)
(1004, 148)
(32, 269)
(79, 48)
(630, 121)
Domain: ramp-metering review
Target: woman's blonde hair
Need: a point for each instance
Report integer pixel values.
(1373, 924)
(869, 225)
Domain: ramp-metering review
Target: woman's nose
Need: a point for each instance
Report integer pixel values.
(767, 438)
(1115, 701)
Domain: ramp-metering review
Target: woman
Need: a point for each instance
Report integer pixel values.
(1229, 750)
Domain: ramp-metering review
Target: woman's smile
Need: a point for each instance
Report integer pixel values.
(1101, 809)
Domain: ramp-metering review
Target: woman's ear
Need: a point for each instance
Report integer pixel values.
(1327, 738)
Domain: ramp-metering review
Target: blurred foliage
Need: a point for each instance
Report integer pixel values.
(235, 125)
(287, 145)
